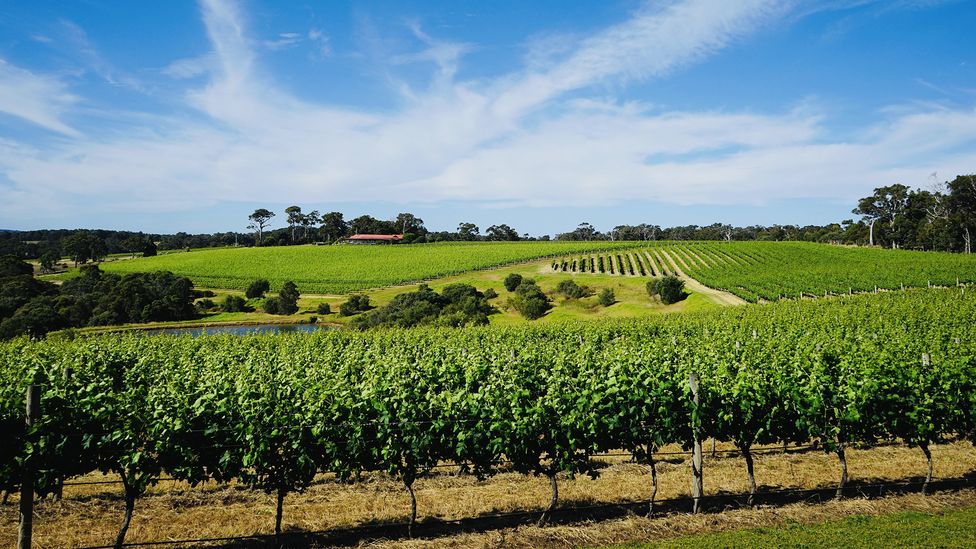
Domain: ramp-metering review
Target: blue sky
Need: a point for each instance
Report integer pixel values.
(178, 115)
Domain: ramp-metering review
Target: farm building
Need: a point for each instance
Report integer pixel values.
(374, 239)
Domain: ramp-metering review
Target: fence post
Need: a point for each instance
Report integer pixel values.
(27, 485)
(696, 457)
(59, 491)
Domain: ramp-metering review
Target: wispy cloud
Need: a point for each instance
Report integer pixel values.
(542, 135)
(36, 98)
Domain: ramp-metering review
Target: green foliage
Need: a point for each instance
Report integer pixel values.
(323, 309)
(34, 307)
(12, 266)
(272, 306)
(357, 303)
(490, 293)
(670, 289)
(456, 305)
(606, 297)
(512, 281)
(529, 300)
(270, 411)
(572, 290)
(257, 288)
(234, 304)
(288, 298)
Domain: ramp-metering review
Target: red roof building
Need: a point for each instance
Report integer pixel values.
(374, 238)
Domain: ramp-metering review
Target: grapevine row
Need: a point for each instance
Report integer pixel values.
(273, 411)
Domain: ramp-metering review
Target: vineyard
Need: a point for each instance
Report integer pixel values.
(771, 271)
(272, 412)
(343, 269)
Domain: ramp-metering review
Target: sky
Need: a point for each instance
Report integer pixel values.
(186, 116)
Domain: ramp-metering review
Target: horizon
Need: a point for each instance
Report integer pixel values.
(186, 116)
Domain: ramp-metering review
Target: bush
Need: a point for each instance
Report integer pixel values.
(670, 289)
(205, 305)
(606, 297)
(234, 304)
(529, 300)
(512, 281)
(272, 306)
(572, 290)
(323, 309)
(490, 293)
(257, 288)
(288, 298)
(356, 303)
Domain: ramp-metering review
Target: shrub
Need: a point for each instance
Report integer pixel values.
(512, 281)
(272, 306)
(529, 300)
(606, 297)
(356, 303)
(571, 289)
(234, 304)
(288, 298)
(323, 309)
(490, 293)
(205, 305)
(257, 288)
(669, 288)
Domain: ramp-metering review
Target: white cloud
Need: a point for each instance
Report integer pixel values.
(39, 99)
(513, 140)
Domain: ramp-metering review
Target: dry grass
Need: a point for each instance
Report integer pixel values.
(90, 515)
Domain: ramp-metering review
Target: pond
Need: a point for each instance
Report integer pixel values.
(197, 331)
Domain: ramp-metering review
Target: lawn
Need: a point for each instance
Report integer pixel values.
(954, 528)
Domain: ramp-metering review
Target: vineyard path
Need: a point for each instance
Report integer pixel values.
(718, 296)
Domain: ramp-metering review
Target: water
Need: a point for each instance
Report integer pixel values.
(241, 330)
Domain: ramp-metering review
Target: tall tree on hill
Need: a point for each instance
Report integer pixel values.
(310, 219)
(885, 205)
(468, 231)
(259, 220)
(501, 232)
(294, 219)
(333, 226)
(409, 223)
(962, 207)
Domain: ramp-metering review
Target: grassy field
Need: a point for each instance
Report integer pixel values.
(344, 269)
(954, 528)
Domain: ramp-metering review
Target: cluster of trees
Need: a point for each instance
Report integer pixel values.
(34, 307)
(310, 227)
(943, 218)
(456, 305)
(669, 289)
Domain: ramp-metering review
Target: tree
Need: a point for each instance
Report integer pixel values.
(84, 245)
(334, 226)
(310, 219)
(259, 220)
(295, 219)
(962, 207)
(288, 298)
(502, 232)
(409, 223)
(512, 281)
(885, 205)
(606, 297)
(257, 288)
(367, 224)
(468, 231)
(669, 288)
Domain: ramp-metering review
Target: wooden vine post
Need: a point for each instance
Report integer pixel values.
(27, 484)
(696, 457)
